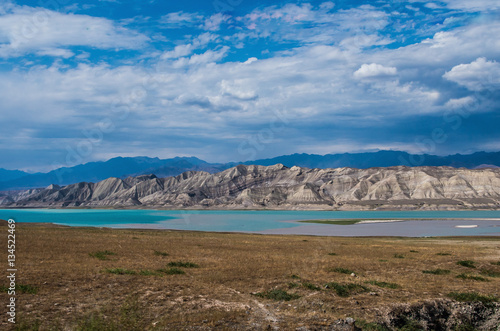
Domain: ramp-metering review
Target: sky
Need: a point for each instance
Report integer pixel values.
(236, 80)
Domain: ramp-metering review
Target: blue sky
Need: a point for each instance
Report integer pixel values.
(233, 80)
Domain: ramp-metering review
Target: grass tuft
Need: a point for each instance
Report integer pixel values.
(369, 326)
(101, 255)
(399, 256)
(413, 251)
(443, 254)
(180, 264)
(149, 273)
(467, 263)
(342, 271)
(172, 271)
(344, 290)
(490, 273)
(496, 263)
(293, 285)
(472, 277)
(311, 286)
(437, 272)
(20, 288)
(158, 253)
(278, 295)
(332, 254)
(472, 297)
(383, 284)
(294, 277)
(120, 271)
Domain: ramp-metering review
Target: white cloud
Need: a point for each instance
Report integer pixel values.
(179, 51)
(476, 76)
(322, 26)
(374, 70)
(214, 22)
(26, 30)
(476, 5)
(460, 103)
(464, 5)
(209, 56)
(180, 19)
(56, 52)
(331, 77)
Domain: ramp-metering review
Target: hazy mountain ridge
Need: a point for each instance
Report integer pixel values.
(122, 167)
(281, 187)
(6, 175)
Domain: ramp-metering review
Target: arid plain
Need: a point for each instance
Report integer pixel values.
(110, 279)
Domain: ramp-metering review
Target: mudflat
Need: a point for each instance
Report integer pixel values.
(100, 278)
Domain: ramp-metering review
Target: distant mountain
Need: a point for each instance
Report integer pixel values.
(119, 167)
(11, 174)
(381, 159)
(122, 167)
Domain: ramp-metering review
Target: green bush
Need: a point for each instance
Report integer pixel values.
(342, 271)
(437, 272)
(180, 264)
(120, 271)
(278, 295)
(20, 288)
(490, 273)
(467, 263)
(472, 277)
(383, 284)
(172, 271)
(472, 297)
(101, 255)
(311, 286)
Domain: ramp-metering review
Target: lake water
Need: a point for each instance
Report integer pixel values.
(278, 222)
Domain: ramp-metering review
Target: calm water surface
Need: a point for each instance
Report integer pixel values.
(271, 221)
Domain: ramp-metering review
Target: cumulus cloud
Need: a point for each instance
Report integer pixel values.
(214, 22)
(478, 75)
(27, 30)
(459, 103)
(374, 70)
(201, 94)
(180, 19)
(307, 24)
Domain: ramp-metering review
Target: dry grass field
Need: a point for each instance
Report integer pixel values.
(108, 279)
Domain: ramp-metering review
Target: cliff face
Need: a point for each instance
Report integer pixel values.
(283, 188)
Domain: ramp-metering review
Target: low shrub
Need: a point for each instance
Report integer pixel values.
(472, 297)
(467, 263)
(383, 284)
(278, 295)
(342, 271)
(344, 290)
(180, 264)
(437, 271)
(101, 255)
(472, 277)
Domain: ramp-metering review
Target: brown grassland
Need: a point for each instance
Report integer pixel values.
(111, 279)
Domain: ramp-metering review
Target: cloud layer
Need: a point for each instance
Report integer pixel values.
(258, 82)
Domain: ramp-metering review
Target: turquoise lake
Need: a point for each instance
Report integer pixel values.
(488, 222)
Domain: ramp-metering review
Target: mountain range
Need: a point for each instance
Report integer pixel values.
(280, 187)
(123, 167)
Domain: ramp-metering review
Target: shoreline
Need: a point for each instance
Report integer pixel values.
(312, 230)
(225, 208)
